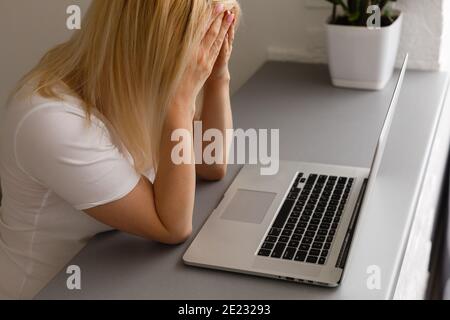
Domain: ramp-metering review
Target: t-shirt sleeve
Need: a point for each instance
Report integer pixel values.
(77, 160)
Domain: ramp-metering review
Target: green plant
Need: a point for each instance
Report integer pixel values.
(354, 12)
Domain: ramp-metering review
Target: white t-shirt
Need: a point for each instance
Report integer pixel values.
(53, 165)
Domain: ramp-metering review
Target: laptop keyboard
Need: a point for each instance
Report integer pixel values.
(308, 220)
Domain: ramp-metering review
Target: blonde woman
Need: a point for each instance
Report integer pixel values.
(86, 139)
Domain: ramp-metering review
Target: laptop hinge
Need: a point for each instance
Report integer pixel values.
(343, 254)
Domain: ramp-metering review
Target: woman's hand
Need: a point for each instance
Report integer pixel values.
(205, 61)
(221, 70)
(216, 109)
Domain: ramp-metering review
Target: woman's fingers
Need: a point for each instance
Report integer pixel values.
(231, 33)
(225, 48)
(212, 34)
(213, 31)
(218, 11)
(224, 29)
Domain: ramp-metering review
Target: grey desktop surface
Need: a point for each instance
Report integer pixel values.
(318, 123)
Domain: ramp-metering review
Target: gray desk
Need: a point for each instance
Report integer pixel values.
(317, 123)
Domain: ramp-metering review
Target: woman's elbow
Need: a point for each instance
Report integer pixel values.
(177, 237)
(213, 172)
(181, 237)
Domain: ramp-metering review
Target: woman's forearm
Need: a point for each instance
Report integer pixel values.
(216, 114)
(174, 186)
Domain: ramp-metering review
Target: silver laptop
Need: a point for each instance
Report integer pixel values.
(297, 225)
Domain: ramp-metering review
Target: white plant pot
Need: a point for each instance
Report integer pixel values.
(362, 58)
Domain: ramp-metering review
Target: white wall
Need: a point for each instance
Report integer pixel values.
(28, 28)
(250, 48)
(297, 31)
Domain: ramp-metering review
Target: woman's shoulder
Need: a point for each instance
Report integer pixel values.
(27, 101)
(37, 122)
(28, 107)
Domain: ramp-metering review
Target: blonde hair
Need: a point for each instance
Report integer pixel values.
(125, 64)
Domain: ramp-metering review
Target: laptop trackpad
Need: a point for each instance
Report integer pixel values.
(249, 206)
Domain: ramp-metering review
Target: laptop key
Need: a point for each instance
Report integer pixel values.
(289, 253)
(322, 260)
(320, 239)
(292, 220)
(278, 250)
(283, 213)
(325, 226)
(271, 239)
(320, 209)
(295, 214)
(302, 225)
(292, 196)
(304, 218)
(274, 232)
(317, 245)
(331, 208)
(311, 259)
(264, 253)
(296, 190)
(301, 256)
(314, 252)
(296, 237)
(307, 213)
(310, 234)
(289, 226)
(286, 233)
(294, 243)
(283, 239)
(317, 216)
(268, 245)
(304, 247)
